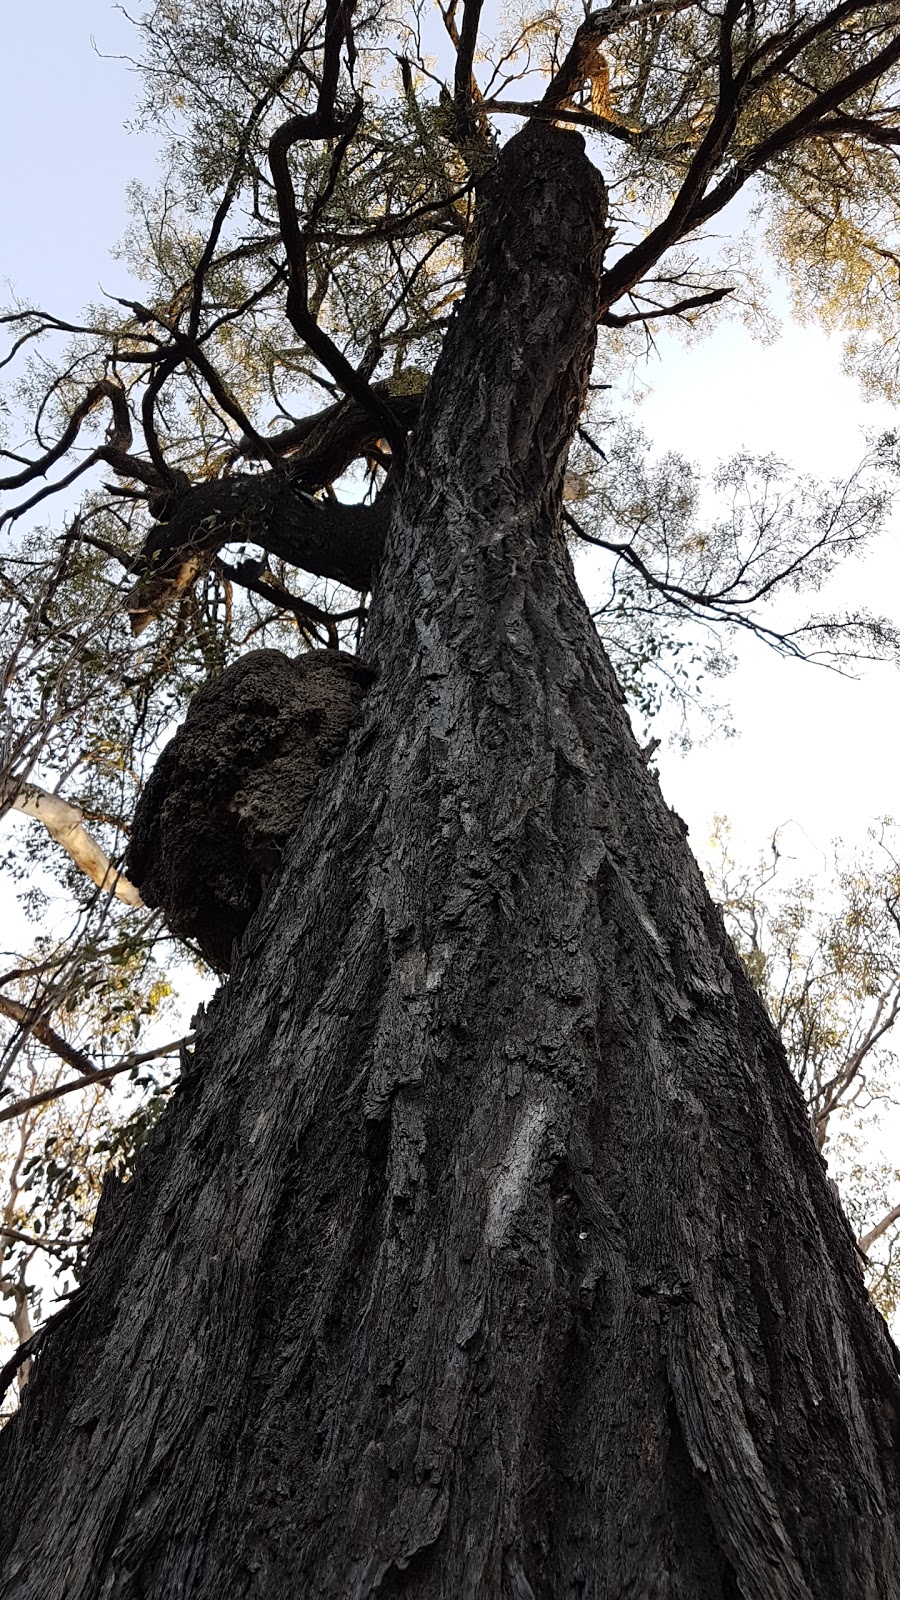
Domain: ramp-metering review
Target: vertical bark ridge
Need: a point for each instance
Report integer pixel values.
(485, 1250)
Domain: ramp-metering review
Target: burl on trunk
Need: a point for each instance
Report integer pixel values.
(484, 1250)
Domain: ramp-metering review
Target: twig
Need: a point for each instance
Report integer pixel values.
(30, 1019)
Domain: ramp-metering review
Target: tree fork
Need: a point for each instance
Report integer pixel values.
(484, 1249)
(326, 538)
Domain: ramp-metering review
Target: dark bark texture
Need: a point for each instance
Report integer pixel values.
(276, 511)
(229, 789)
(343, 542)
(485, 1250)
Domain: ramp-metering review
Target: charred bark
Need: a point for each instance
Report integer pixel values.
(324, 537)
(485, 1250)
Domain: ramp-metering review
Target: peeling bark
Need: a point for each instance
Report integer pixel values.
(484, 1250)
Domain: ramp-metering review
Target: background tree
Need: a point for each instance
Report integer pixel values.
(491, 891)
(824, 953)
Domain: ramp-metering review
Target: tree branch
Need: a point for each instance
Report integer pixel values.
(305, 612)
(325, 538)
(103, 1076)
(631, 267)
(805, 125)
(583, 119)
(866, 1240)
(106, 389)
(710, 298)
(860, 128)
(65, 824)
(30, 1019)
(55, 1246)
(323, 446)
(322, 124)
(690, 209)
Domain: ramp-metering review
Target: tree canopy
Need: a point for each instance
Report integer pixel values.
(209, 466)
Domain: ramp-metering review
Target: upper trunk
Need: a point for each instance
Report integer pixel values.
(484, 1250)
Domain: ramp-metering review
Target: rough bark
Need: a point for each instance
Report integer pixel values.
(485, 1250)
(229, 788)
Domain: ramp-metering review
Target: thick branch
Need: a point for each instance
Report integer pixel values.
(321, 124)
(65, 824)
(323, 446)
(631, 267)
(858, 128)
(465, 56)
(692, 206)
(805, 125)
(584, 63)
(325, 538)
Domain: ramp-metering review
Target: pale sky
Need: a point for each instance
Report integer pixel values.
(810, 745)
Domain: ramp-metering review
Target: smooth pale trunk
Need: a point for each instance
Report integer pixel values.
(485, 1250)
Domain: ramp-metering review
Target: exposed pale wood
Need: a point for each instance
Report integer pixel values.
(65, 824)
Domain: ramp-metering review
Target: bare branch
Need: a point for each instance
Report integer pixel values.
(611, 320)
(866, 1240)
(322, 124)
(30, 1020)
(103, 1076)
(106, 389)
(54, 1246)
(582, 119)
(65, 824)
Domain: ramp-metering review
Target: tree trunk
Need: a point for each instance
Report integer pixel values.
(484, 1250)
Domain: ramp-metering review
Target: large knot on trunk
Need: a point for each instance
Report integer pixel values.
(230, 788)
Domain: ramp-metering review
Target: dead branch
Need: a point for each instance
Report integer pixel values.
(65, 824)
